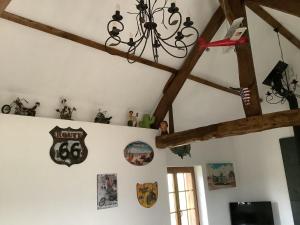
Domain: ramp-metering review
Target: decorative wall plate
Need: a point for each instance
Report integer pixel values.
(68, 146)
(147, 194)
(138, 153)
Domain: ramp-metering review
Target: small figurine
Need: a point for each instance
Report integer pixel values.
(132, 120)
(101, 117)
(182, 151)
(19, 108)
(163, 127)
(147, 121)
(65, 112)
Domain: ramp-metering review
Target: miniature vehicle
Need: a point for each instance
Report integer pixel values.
(19, 108)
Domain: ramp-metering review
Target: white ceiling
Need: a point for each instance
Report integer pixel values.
(44, 67)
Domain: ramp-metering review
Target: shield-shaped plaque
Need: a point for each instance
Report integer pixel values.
(68, 146)
(147, 194)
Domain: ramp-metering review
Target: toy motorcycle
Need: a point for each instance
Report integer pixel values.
(19, 108)
(101, 117)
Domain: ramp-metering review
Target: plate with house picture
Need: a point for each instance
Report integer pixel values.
(220, 175)
(138, 153)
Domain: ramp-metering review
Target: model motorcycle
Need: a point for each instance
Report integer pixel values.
(20, 109)
(102, 118)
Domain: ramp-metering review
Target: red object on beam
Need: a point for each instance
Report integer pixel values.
(224, 42)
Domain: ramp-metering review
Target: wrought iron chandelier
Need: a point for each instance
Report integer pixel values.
(148, 27)
(282, 81)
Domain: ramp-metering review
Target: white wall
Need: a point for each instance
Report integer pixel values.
(34, 190)
(261, 172)
(221, 150)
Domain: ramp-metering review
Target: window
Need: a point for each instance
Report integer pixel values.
(183, 196)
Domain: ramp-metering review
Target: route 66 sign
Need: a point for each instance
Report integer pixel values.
(68, 146)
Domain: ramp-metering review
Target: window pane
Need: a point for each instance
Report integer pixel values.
(172, 202)
(182, 200)
(180, 181)
(190, 199)
(173, 219)
(171, 182)
(184, 218)
(188, 181)
(192, 217)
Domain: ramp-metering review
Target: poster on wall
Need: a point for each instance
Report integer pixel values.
(68, 146)
(138, 153)
(147, 194)
(107, 191)
(220, 175)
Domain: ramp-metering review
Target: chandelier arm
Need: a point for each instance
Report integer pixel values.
(178, 28)
(115, 21)
(107, 40)
(164, 6)
(138, 25)
(171, 54)
(129, 53)
(270, 99)
(197, 36)
(135, 47)
(152, 44)
(278, 95)
(165, 41)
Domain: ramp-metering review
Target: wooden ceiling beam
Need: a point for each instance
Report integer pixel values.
(3, 5)
(80, 40)
(187, 67)
(235, 9)
(287, 6)
(231, 128)
(268, 18)
(89, 43)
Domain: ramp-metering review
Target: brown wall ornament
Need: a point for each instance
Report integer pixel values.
(68, 146)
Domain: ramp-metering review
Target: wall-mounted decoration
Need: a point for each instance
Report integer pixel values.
(65, 111)
(132, 119)
(138, 153)
(182, 151)
(68, 146)
(163, 128)
(147, 194)
(220, 175)
(19, 108)
(107, 191)
(102, 118)
(147, 121)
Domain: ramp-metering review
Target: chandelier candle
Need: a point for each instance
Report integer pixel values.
(176, 44)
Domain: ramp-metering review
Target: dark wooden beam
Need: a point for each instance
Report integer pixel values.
(84, 41)
(214, 85)
(204, 82)
(181, 76)
(235, 9)
(268, 18)
(288, 6)
(3, 5)
(171, 121)
(81, 40)
(231, 128)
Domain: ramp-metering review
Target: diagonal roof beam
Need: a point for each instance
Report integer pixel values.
(190, 62)
(3, 5)
(84, 41)
(274, 23)
(233, 10)
(288, 6)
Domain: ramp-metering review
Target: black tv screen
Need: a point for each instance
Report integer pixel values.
(251, 213)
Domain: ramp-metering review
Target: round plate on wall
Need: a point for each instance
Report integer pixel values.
(138, 153)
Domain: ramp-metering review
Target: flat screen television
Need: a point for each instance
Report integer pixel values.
(251, 213)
